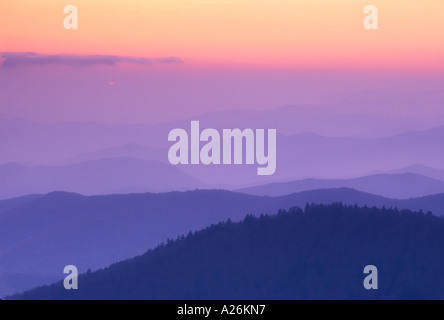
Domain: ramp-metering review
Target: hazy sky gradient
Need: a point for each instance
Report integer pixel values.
(149, 61)
(161, 92)
(286, 33)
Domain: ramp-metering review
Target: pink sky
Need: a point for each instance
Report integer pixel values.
(278, 33)
(227, 54)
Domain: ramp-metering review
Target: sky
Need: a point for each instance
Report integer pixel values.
(315, 33)
(156, 60)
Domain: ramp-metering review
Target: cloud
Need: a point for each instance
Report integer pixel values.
(18, 59)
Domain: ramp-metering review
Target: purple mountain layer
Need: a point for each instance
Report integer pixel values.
(397, 186)
(299, 156)
(105, 176)
(40, 236)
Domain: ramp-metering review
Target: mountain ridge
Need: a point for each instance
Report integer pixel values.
(394, 186)
(315, 253)
(44, 235)
(103, 176)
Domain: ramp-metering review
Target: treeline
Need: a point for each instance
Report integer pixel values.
(316, 253)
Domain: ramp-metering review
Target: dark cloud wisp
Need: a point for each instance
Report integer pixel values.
(18, 59)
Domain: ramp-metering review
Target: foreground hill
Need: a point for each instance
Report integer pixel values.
(397, 186)
(40, 235)
(316, 254)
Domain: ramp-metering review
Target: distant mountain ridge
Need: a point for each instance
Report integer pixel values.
(129, 150)
(304, 151)
(420, 169)
(103, 176)
(397, 186)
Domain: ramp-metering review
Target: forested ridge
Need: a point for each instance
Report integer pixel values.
(316, 253)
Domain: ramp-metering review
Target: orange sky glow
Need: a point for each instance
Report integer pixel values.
(276, 34)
